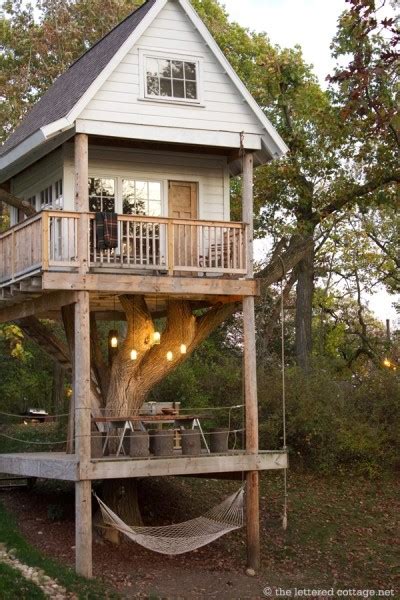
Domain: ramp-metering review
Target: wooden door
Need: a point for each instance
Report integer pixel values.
(182, 200)
(182, 203)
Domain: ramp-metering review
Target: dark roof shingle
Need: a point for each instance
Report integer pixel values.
(69, 87)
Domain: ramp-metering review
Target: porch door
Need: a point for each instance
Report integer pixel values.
(182, 204)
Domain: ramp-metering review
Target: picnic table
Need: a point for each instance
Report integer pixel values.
(127, 423)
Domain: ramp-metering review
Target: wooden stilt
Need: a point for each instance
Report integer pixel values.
(83, 528)
(252, 477)
(83, 502)
(250, 379)
(82, 374)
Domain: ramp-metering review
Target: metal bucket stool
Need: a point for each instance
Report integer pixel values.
(219, 441)
(162, 442)
(139, 444)
(191, 442)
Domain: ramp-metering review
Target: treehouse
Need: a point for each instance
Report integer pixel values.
(119, 186)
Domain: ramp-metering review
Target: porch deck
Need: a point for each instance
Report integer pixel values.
(48, 242)
(61, 466)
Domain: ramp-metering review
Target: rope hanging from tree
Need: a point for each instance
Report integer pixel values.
(187, 536)
(285, 501)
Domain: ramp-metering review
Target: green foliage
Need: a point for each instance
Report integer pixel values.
(25, 373)
(33, 437)
(334, 424)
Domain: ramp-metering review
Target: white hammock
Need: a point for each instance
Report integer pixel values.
(187, 536)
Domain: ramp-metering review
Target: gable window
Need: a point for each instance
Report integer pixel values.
(101, 194)
(173, 79)
(141, 197)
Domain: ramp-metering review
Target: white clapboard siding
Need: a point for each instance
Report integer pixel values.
(222, 108)
(39, 175)
(210, 172)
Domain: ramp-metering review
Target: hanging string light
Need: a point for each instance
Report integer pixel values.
(113, 337)
(156, 334)
(134, 354)
(113, 334)
(170, 356)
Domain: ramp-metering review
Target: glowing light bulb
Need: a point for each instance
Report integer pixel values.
(156, 338)
(170, 356)
(183, 349)
(134, 354)
(387, 363)
(114, 342)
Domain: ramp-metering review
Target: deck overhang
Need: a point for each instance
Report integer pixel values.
(66, 467)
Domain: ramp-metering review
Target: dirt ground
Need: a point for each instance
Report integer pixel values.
(341, 532)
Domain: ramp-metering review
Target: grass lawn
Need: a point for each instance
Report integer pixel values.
(13, 585)
(343, 532)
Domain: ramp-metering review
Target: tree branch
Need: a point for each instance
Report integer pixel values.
(16, 202)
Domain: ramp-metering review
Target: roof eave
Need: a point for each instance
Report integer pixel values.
(32, 149)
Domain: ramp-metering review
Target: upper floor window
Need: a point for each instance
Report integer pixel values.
(171, 79)
(101, 194)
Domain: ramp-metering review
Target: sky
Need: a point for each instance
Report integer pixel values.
(309, 23)
(312, 25)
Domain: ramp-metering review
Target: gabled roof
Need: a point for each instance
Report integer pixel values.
(69, 87)
(60, 106)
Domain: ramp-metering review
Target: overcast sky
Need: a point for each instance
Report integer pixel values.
(312, 25)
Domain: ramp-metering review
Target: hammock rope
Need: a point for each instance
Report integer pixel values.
(183, 537)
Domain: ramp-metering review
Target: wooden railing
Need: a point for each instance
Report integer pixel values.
(48, 241)
(21, 249)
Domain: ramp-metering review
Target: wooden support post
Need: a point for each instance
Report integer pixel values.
(247, 208)
(83, 527)
(252, 477)
(82, 198)
(82, 376)
(250, 378)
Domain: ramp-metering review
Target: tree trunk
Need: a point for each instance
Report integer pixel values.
(128, 382)
(304, 308)
(122, 496)
(131, 381)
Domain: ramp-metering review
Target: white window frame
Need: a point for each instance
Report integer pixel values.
(198, 59)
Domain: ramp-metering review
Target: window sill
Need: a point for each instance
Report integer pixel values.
(175, 101)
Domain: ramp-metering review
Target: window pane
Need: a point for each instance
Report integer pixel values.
(108, 187)
(153, 86)
(154, 208)
(177, 69)
(152, 67)
(128, 189)
(190, 71)
(94, 204)
(154, 190)
(191, 90)
(141, 190)
(179, 89)
(165, 87)
(108, 205)
(164, 68)
(128, 197)
(141, 207)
